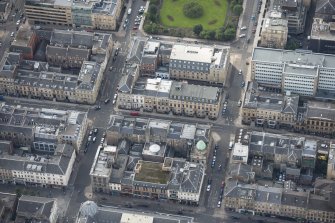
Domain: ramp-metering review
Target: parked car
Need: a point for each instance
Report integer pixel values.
(107, 100)
(95, 131)
(243, 28)
(89, 138)
(12, 34)
(134, 113)
(90, 133)
(94, 139)
(242, 35)
(219, 204)
(239, 103)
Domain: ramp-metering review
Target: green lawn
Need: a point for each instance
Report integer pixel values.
(213, 18)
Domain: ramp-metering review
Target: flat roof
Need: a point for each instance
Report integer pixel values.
(306, 57)
(202, 54)
(136, 218)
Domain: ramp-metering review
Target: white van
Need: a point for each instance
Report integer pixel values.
(231, 144)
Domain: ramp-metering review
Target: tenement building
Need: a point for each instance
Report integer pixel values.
(138, 159)
(72, 68)
(271, 109)
(274, 201)
(166, 96)
(101, 15)
(42, 129)
(91, 14)
(201, 63)
(322, 38)
(295, 12)
(174, 178)
(274, 31)
(21, 166)
(183, 138)
(317, 117)
(269, 182)
(301, 71)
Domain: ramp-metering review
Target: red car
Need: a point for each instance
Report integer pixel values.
(134, 113)
(134, 28)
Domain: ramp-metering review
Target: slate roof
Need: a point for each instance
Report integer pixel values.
(135, 52)
(35, 207)
(294, 198)
(57, 164)
(325, 7)
(126, 83)
(3, 7)
(114, 215)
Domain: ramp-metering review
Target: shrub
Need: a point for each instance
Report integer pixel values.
(197, 29)
(193, 9)
(238, 9)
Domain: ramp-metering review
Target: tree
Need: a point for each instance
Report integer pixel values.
(152, 9)
(238, 9)
(197, 29)
(219, 34)
(229, 34)
(154, 2)
(211, 34)
(193, 9)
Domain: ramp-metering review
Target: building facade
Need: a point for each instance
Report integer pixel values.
(101, 15)
(42, 129)
(83, 51)
(166, 96)
(318, 117)
(201, 63)
(269, 109)
(52, 12)
(300, 71)
(274, 31)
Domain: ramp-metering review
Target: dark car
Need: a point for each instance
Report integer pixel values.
(95, 131)
(107, 100)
